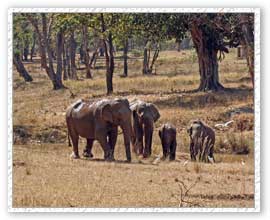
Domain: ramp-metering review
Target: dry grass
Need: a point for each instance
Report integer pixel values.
(44, 176)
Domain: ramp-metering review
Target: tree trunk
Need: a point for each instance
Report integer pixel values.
(108, 50)
(72, 54)
(208, 62)
(26, 52)
(146, 57)
(45, 48)
(33, 47)
(125, 56)
(249, 43)
(94, 59)
(21, 69)
(154, 59)
(59, 53)
(65, 75)
(86, 52)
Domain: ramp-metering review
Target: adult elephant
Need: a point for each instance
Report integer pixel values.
(99, 121)
(144, 116)
(202, 141)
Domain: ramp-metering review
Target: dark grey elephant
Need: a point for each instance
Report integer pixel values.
(144, 116)
(99, 121)
(167, 134)
(202, 141)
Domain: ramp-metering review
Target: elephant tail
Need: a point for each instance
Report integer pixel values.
(69, 143)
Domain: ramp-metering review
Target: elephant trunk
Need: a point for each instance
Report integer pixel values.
(127, 132)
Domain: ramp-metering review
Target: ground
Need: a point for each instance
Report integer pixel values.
(45, 176)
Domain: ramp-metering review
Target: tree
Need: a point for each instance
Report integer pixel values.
(211, 34)
(246, 22)
(42, 24)
(20, 35)
(20, 67)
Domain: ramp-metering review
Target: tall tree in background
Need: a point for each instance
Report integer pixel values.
(42, 24)
(246, 22)
(20, 35)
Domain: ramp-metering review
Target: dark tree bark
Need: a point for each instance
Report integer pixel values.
(33, 47)
(59, 54)
(20, 68)
(125, 56)
(72, 54)
(26, 52)
(94, 59)
(208, 62)
(86, 52)
(109, 57)
(249, 44)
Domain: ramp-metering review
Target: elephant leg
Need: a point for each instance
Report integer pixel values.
(112, 140)
(88, 148)
(172, 150)
(138, 130)
(165, 151)
(106, 147)
(192, 151)
(75, 143)
(148, 134)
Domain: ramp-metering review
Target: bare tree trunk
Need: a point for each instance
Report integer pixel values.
(109, 57)
(249, 43)
(59, 53)
(20, 68)
(72, 54)
(86, 52)
(125, 56)
(94, 59)
(208, 62)
(33, 47)
(26, 52)
(65, 75)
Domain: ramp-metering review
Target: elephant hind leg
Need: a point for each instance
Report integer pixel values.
(88, 148)
(75, 143)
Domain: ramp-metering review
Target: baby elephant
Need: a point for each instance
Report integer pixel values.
(167, 134)
(202, 140)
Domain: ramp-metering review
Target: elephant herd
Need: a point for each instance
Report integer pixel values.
(99, 120)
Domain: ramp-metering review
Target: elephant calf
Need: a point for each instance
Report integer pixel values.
(167, 135)
(202, 141)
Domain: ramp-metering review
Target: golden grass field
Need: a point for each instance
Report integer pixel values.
(45, 176)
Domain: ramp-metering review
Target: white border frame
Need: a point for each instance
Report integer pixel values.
(256, 207)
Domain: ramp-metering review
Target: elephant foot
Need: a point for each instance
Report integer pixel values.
(74, 156)
(87, 154)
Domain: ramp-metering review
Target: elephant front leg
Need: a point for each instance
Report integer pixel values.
(112, 141)
(172, 150)
(87, 152)
(192, 152)
(148, 134)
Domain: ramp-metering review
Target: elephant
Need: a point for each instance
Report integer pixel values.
(167, 134)
(202, 141)
(144, 116)
(99, 120)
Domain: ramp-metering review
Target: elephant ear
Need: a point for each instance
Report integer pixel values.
(106, 113)
(154, 111)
